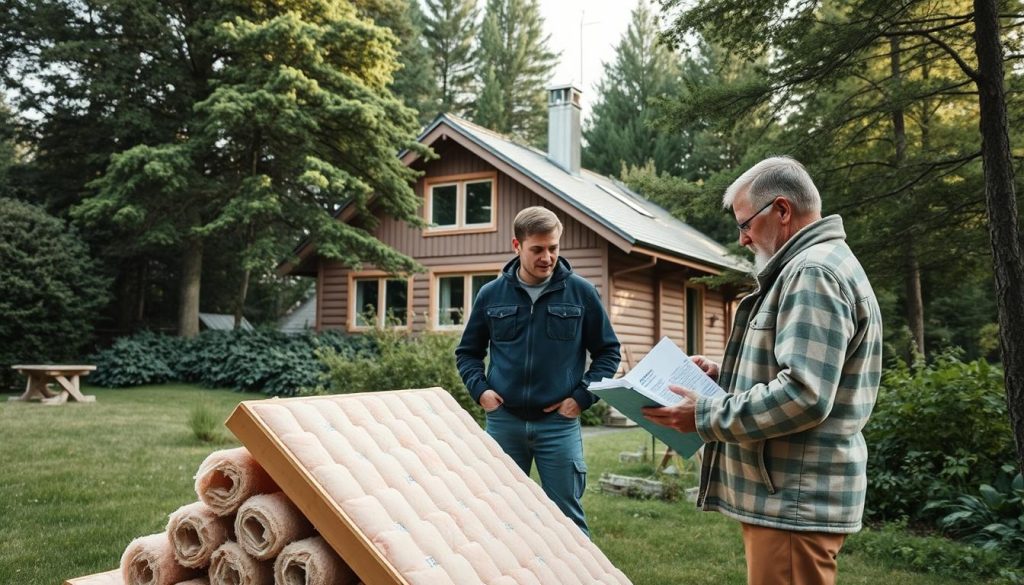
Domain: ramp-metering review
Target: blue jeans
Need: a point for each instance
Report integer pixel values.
(556, 444)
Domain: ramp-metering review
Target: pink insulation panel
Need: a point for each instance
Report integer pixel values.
(407, 488)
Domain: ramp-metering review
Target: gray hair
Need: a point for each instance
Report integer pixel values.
(535, 220)
(778, 176)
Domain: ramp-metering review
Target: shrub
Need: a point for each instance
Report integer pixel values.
(931, 554)
(993, 519)
(258, 361)
(938, 429)
(144, 358)
(51, 287)
(403, 361)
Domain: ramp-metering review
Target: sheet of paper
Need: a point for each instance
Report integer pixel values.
(667, 364)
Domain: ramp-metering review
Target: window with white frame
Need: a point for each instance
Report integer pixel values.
(461, 203)
(380, 301)
(455, 295)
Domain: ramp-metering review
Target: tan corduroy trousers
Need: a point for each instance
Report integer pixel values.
(785, 557)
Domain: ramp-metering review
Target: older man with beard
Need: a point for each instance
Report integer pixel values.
(784, 452)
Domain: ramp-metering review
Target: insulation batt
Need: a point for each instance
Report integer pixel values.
(266, 523)
(228, 477)
(311, 561)
(230, 565)
(149, 560)
(195, 531)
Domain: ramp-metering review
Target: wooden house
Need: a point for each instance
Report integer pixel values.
(641, 259)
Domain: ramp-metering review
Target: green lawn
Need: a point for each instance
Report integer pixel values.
(79, 481)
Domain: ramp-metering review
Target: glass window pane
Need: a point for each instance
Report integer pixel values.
(366, 302)
(478, 202)
(396, 302)
(442, 205)
(479, 280)
(451, 298)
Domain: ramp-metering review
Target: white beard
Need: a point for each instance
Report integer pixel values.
(760, 261)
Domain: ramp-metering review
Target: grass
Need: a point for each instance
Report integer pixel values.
(79, 481)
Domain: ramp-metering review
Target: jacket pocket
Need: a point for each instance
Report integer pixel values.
(763, 468)
(763, 320)
(502, 319)
(563, 321)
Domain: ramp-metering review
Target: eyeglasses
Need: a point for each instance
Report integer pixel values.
(745, 226)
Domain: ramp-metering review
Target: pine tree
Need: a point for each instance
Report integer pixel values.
(300, 119)
(413, 82)
(449, 29)
(515, 65)
(623, 127)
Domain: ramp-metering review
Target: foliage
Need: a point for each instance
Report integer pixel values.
(51, 289)
(402, 361)
(449, 28)
(513, 69)
(931, 554)
(937, 429)
(143, 358)
(263, 360)
(622, 130)
(993, 519)
(594, 416)
(204, 422)
(413, 82)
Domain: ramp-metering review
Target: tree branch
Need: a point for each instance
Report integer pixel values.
(970, 71)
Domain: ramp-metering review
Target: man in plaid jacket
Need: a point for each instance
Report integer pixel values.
(784, 452)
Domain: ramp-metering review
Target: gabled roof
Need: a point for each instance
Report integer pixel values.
(624, 218)
(635, 223)
(223, 322)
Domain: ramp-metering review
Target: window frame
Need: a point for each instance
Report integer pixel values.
(467, 272)
(382, 278)
(697, 345)
(460, 181)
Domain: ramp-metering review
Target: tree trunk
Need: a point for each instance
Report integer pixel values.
(915, 302)
(243, 290)
(912, 270)
(191, 271)
(140, 308)
(1001, 203)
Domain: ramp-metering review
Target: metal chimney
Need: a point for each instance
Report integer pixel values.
(564, 127)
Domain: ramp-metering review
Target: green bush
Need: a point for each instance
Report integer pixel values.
(993, 519)
(51, 289)
(402, 361)
(257, 361)
(937, 430)
(144, 358)
(932, 554)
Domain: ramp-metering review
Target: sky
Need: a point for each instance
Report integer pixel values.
(604, 23)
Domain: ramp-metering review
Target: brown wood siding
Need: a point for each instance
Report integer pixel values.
(332, 304)
(581, 246)
(673, 308)
(632, 301)
(511, 198)
(714, 335)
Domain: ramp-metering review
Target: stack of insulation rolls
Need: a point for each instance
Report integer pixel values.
(242, 531)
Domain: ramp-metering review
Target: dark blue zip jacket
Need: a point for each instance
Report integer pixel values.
(538, 351)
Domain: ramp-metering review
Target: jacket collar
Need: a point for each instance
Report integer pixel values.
(824, 230)
(562, 271)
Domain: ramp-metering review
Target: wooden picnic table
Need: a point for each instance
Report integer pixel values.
(41, 376)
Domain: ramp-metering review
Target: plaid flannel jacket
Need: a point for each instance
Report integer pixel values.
(802, 367)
